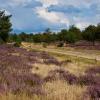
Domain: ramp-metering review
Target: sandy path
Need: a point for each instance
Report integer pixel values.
(67, 52)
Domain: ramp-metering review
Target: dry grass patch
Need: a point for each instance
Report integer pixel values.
(15, 54)
(76, 68)
(19, 97)
(60, 90)
(43, 69)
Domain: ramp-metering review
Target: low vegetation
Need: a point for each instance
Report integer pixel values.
(37, 75)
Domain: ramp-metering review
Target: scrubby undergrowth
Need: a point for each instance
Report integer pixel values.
(40, 76)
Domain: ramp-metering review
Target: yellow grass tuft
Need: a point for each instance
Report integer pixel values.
(60, 90)
(43, 69)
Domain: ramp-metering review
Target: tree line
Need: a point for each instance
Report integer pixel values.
(67, 36)
(71, 35)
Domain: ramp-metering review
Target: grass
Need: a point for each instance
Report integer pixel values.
(78, 65)
(39, 47)
(68, 68)
(60, 90)
(74, 58)
(43, 69)
(56, 90)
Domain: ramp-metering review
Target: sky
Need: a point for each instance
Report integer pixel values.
(38, 15)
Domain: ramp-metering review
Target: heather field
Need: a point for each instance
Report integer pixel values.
(34, 75)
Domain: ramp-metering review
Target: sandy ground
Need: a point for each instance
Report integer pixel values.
(88, 55)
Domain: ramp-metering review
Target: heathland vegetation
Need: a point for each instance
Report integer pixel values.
(30, 74)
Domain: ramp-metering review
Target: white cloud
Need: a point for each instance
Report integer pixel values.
(82, 25)
(61, 18)
(76, 3)
(52, 17)
(79, 3)
(18, 2)
(80, 22)
(47, 3)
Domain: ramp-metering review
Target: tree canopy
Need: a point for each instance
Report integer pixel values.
(5, 26)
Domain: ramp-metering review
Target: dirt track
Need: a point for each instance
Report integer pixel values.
(74, 53)
(70, 53)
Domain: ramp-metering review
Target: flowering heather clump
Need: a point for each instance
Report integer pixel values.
(15, 71)
(44, 55)
(51, 61)
(95, 70)
(92, 79)
(88, 80)
(47, 59)
(66, 62)
(61, 74)
(94, 92)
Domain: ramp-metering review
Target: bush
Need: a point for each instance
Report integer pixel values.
(94, 92)
(44, 45)
(60, 45)
(1, 41)
(17, 44)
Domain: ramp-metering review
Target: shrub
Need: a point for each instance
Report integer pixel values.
(95, 70)
(66, 61)
(60, 44)
(17, 44)
(62, 75)
(88, 80)
(94, 92)
(44, 45)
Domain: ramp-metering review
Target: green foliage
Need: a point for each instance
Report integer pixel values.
(1, 41)
(16, 39)
(98, 32)
(5, 26)
(44, 45)
(90, 33)
(17, 44)
(72, 35)
(48, 31)
(62, 35)
(76, 31)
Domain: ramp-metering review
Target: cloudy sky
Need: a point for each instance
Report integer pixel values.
(37, 15)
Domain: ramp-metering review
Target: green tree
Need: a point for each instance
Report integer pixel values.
(15, 38)
(47, 36)
(89, 34)
(48, 31)
(5, 26)
(23, 36)
(71, 37)
(62, 35)
(98, 32)
(76, 31)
